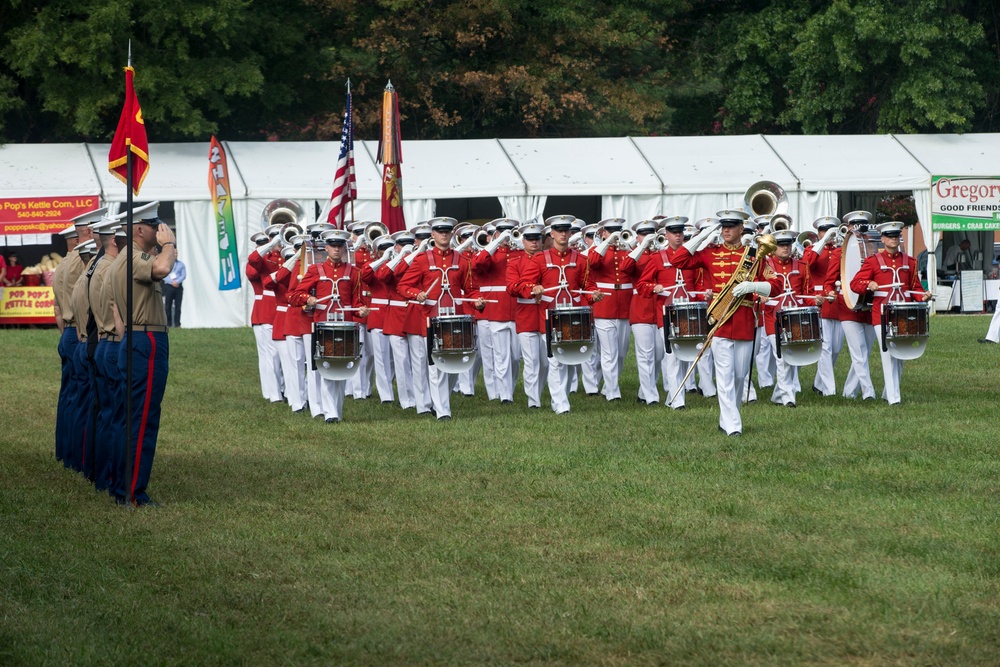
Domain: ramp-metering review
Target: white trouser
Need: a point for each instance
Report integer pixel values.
(419, 372)
(268, 363)
(706, 374)
(506, 356)
(648, 356)
(732, 365)
(673, 374)
(332, 393)
(833, 341)
(785, 376)
(467, 380)
(558, 381)
(590, 370)
(993, 333)
(486, 357)
(293, 368)
(440, 385)
(613, 336)
(314, 381)
(892, 372)
(536, 365)
(765, 358)
(859, 343)
(360, 384)
(382, 357)
(401, 365)
(574, 378)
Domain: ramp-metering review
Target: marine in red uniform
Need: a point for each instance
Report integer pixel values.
(893, 278)
(440, 278)
(611, 272)
(529, 316)
(644, 315)
(379, 303)
(263, 260)
(817, 258)
(733, 343)
(490, 267)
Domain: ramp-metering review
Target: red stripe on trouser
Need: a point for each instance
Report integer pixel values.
(145, 415)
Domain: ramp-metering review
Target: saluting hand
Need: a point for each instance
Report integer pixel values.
(164, 235)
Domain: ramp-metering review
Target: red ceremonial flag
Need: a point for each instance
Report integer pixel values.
(345, 185)
(130, 136)
(390, 155)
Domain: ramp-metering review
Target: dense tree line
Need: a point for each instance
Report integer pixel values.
(249, 69)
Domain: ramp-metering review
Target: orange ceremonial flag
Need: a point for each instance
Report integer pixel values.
(130, 136)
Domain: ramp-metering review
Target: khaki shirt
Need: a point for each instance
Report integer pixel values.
(147, 293)
(63, 281)
(80, 303)
(100, 299)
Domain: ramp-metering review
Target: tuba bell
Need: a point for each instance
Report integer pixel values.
(807, 238)
(282, 211)
(373, 230)
(780, 222)
(765, 198)
(289, 232)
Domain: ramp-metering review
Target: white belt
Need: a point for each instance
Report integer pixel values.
(381, 302)
(321, 306)
(548, 298)
(818, 288)
(493, 288)
(401, 304)
(880, 293)
(258, 297)
(268, 292)
(613, 286)
(527, 302)
(282, 309)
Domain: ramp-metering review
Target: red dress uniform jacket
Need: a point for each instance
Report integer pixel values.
(886, 269)
(529, 314)
(545, 269)
(253, 277)
(449, 273)
(818, 265)
(839, 309)
(297, 322)
(794, 275)
(273, 282)
(720, 262)
(403, 318)
(379, 299)
(322, 280)
(266, 307)
(660, 270)
(643, 308)
(612, 274)
(491, 276)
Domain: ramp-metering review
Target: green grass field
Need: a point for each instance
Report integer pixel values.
(837, 533)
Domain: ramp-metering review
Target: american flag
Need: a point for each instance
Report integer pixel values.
(345, 185)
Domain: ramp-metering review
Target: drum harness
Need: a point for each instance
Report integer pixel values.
(334, 304)
(670, 293)
(445, 289)
(782, 300)
(894, 295)
(563, 287)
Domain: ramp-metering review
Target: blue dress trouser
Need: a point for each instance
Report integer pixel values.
(76, 422)
(150, 353)
(67, 346)
(116, 419)
(103, 449)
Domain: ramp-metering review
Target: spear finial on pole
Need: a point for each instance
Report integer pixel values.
(130, 53)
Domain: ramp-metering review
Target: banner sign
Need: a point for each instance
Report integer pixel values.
(42, 215)
(965, 204)
(27, 305)
(218, 183)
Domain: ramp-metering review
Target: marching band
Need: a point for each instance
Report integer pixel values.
(417, 315)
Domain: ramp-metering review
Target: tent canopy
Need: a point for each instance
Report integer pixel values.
(954, 154)
(48, 170)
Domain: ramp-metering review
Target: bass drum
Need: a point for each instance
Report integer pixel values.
(856, 249)
(905, 329)
(336, 349)
(452, 341)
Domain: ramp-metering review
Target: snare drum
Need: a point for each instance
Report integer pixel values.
(571, 334)
(685, 326)
(798, 335)
(905, 329)
(452, 341)
(336, 349)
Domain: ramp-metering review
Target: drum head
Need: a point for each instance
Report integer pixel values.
(686, 350)
(907, 348)
(571, 354)
(850, 263)
(337, 368)
(453, 361)
(803, 354)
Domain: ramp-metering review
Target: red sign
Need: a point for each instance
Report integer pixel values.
(42, 215)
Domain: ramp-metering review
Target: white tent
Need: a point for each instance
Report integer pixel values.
(635, 177)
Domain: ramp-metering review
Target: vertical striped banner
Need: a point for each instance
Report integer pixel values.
(222, 204)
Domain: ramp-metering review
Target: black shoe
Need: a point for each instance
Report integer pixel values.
(817, 391)
(790, 404)
(610, 400)
(986, 341)
(444, 418)
(505, 401)
(683, 407)
(384, 402)
(302, 409)
(592, 393)
(469, 395)
(149, 503)
(332, 420)
(534, 407)
(734, 434)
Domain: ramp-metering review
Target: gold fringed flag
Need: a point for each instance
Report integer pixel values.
(130, 137)
(390, 155)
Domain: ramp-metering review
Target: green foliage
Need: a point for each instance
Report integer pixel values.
(841, 532)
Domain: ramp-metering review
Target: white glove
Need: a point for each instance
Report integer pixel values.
(744, 288)
(290, 262)
(420, 248)
(603, 247)
(495, 243)
(464, 245)
(827, 237)
(700, 240)
(641, 248)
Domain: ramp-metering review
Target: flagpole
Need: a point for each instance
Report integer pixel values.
(351, 130)
(128, 317)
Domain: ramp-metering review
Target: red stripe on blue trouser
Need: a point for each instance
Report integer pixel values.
(150, 353)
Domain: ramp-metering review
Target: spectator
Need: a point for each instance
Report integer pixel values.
(173, 293)
(958, 257)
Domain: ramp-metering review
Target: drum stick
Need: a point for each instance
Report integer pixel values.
(485, 300)
(325, 298)
(583, 291)
(557, 287)
(353, 308)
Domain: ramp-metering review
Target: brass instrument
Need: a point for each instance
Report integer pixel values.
(515, 239)
(626, 239)
(807, 238)
(780, 222)
(373, 230)
(481, 239)
(660, 242)
(289, 231)
(281, 212)
(765, 198)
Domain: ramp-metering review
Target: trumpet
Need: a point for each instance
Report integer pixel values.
(660, 242)
(807, 238)
(780, 222)
(515, 239)
(626, 239)
(373, 230)
(480, 239)
(289, 231)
